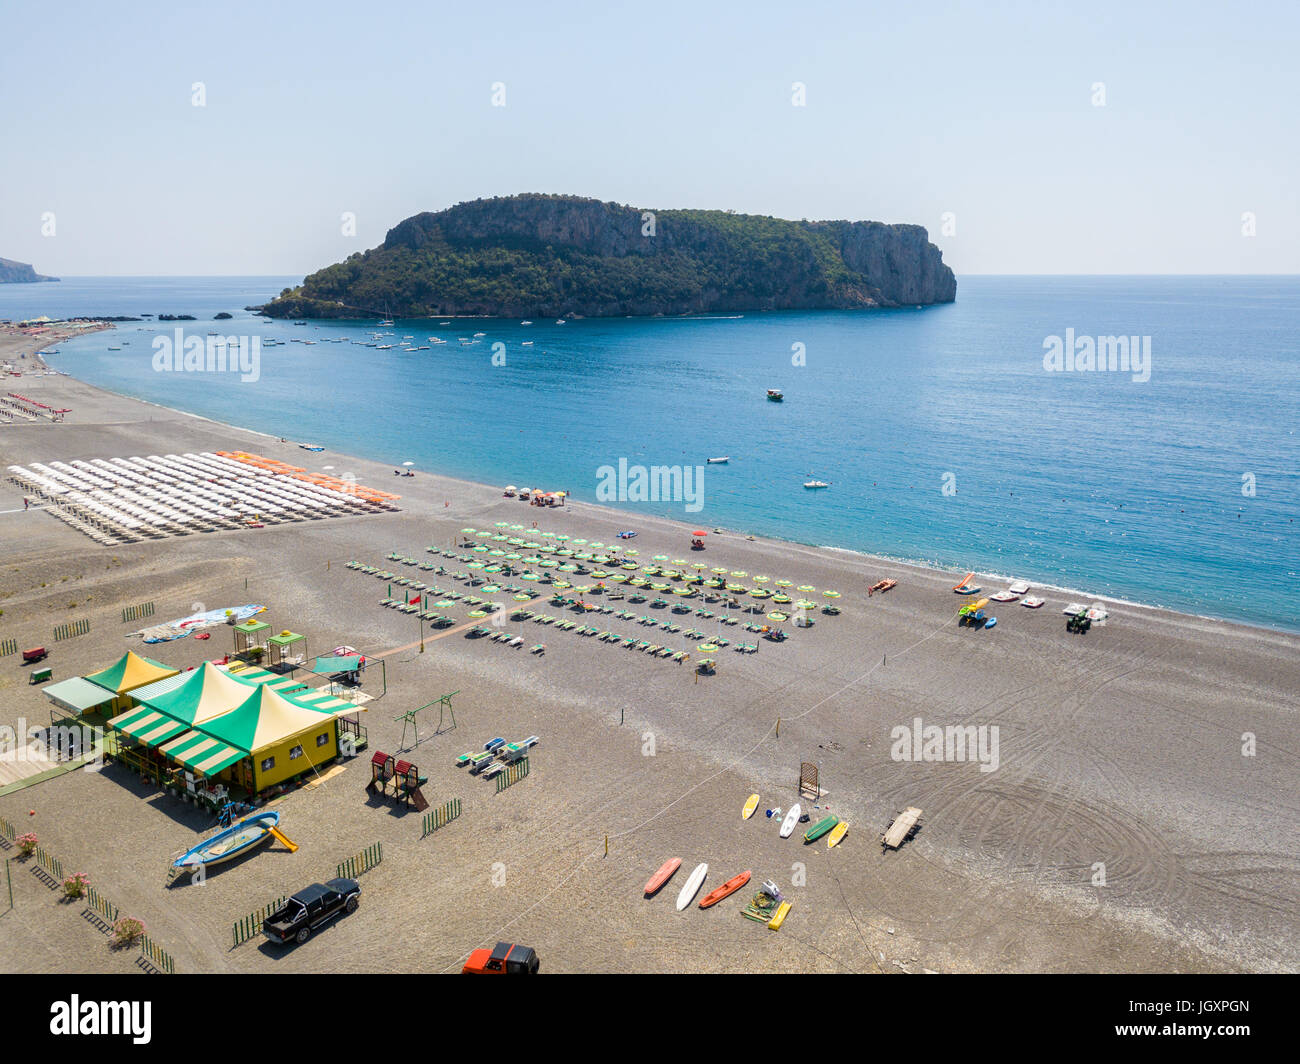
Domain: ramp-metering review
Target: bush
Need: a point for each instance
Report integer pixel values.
(75, 885)
(27, 843)
(128, 930)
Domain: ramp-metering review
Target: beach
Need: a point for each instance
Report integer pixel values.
(1123, 829)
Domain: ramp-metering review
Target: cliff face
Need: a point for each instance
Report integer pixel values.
(541, 256)
(19, 273)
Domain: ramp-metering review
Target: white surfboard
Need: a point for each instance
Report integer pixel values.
(791, 819)
(692, 886)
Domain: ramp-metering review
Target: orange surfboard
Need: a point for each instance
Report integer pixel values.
(664, 874)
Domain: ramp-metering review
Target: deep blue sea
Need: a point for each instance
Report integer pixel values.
(1181, 491)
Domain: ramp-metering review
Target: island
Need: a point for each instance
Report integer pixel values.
(536, 255)
(20, 273)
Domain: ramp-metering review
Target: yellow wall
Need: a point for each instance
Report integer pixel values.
(312, 755)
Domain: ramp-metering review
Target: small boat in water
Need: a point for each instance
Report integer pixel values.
(226, 845)
(719, 461)
(816, 484)
(774, 395)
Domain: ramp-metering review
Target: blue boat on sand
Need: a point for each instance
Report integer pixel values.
(234, 841)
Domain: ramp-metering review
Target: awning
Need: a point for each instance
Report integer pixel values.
(153, 690)
(148, 725)
(337, 663)
(77, 694)
(202, 753)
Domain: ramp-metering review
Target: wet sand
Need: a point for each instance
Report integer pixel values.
(1121, 747)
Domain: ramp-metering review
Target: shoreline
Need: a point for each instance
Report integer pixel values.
(1071, 594)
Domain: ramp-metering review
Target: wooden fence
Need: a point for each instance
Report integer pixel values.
(159, 957)
(8, 830)
(136, 613)
(440, 817)
(512, 775)
(100, 904)
(251, 925)
(362, 862)
(49, 862)
(72, 628)
(7, 647)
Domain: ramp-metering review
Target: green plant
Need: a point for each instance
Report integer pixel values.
(27, 844)
(75, 885)
(127, 930)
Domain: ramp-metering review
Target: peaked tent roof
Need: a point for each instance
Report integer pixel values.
(264, 718)
(209, 692)
(131, 671)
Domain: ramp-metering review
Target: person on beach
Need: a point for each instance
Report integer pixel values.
(26, 502)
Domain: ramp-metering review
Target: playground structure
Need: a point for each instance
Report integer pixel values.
(409, 718)
(405, 779)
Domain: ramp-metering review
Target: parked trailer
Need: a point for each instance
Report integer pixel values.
(901, 828)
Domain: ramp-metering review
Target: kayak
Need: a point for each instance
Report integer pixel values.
(661, 877)
(820, 828)
(729, 887)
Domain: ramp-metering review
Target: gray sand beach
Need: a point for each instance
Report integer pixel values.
(1123, 829)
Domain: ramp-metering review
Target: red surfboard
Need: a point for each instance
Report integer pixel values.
(729, 887)
(664, 874)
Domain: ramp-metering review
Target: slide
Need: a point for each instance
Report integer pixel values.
(965, 584)
(292, 847)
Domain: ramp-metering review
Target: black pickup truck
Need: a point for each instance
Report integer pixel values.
(311, 908)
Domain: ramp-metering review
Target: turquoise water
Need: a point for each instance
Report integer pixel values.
(1080, 480)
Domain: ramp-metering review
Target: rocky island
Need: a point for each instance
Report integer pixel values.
(565, 256)
(20, 273)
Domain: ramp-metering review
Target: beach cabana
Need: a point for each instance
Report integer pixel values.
(129, 672)
(276, 647)
(208, 692)
(265, 740)
(248, 635)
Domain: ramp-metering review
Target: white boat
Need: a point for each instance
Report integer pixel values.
(559, 321)
(525, 323)
(791, 820)
(1020, 587)
(719, 461)
(692, 886)
(816, 484)
(385, 324)
(526, 343)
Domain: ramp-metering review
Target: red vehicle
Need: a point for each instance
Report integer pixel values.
(507, 959)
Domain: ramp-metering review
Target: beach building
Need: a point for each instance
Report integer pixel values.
(129, 673)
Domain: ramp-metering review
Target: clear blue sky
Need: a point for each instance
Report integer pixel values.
(384, 109)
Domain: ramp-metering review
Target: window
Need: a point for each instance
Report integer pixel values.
(323, 739)
(295, 753)
(268, 764)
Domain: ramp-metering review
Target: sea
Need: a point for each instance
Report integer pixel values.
(966, 436)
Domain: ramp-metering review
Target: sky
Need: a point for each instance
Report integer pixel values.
(1028, 138)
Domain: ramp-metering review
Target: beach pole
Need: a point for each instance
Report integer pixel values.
(778, 727)
(606, 847)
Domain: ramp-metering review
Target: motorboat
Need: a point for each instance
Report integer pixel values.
(719, 461)
(774, 395)
(815, 484)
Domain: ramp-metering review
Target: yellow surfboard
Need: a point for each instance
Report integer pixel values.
(782, 910)
(750, 805)
(841, 829)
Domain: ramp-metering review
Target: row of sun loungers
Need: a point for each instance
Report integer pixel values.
(128, 499)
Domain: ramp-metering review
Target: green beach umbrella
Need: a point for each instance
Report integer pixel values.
(501, 524)
(777, 617)
(661, 557)
(579, 542)
(530, 576)
(806, 587)
(468, 531)
(632, 551)
(708, 648)
(784, 583)
(831, 594)
(739, 573)
(521, 597)
(477, 613)
(490, 589)
(474, 565)
(762, 579)
(721, 571)
(804, 604)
